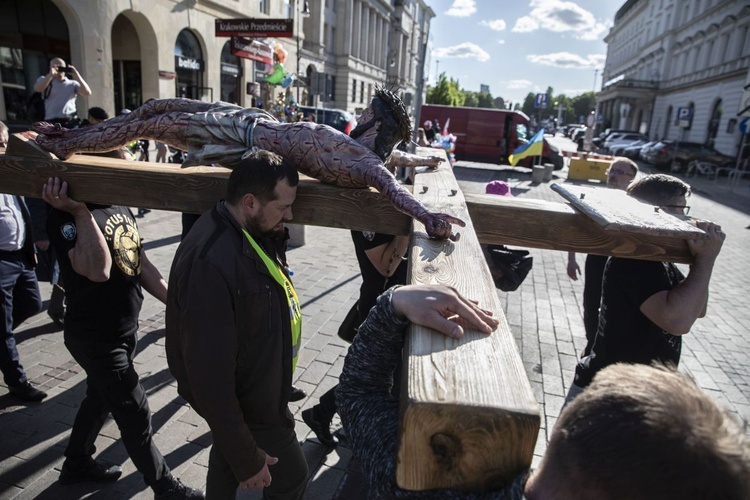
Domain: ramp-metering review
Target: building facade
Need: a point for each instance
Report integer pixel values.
(666, 57)
(132, 50)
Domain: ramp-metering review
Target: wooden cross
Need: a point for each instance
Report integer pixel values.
(469, 418)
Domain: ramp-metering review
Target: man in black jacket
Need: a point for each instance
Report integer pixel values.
(233, 331)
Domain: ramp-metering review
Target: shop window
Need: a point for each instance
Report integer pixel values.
(190, 68)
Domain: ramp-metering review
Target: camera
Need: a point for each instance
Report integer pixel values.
(64, 69)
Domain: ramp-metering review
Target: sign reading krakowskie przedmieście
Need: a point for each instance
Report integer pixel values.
(255, 28)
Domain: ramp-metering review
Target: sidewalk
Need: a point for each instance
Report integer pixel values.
(544, 315)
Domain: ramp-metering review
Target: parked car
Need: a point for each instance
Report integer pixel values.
(618, 149)
(622, 138)
(635, 150)
(665, 153)
(341, 120)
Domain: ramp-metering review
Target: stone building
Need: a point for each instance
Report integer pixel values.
(133, 50)
(666, 57)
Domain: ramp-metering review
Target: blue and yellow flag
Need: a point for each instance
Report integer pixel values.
(531, 148)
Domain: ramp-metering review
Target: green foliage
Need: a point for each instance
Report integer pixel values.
(470, 99)
(446, 92)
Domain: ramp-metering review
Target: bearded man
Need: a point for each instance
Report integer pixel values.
(233, 326)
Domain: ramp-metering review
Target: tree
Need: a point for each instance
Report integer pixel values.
(499, 103)
(470, 99)
(584, 104)
(446, 92)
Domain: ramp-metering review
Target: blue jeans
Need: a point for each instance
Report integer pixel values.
(20, 301)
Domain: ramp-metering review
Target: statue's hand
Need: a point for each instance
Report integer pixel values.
(439, 226)
(431, 161)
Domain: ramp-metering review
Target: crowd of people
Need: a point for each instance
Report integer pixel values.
(632, 427)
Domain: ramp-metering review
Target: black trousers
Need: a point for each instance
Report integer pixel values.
(112, 386)
(288, 476)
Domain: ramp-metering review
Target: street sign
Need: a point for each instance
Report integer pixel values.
(745, 126)
(254, 28)
(540, 101)
(684, 117)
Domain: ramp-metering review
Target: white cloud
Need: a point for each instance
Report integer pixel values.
(518, 84)
(495, 24)
(568, 60)
(462, 8)
(501, 41)
(464, 50)
(560, 16)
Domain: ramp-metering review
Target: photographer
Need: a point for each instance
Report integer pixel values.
(60, 93)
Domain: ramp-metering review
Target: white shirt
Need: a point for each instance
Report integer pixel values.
(12, 226)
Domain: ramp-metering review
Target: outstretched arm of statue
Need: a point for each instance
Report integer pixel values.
(334, 158)
(400, 159)
(437, 225)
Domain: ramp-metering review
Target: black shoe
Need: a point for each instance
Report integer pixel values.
(322, 430)
(143, 211)
(27, 392)
(297, 394)
(57, 317)
(171, 488)
(91, 471)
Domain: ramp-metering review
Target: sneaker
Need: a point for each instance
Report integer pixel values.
(322, 430)
(27, 392)
(91, 471)
(171, 488)
(297, 394)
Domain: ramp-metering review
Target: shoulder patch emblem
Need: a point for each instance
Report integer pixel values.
(68, 231)
(369, 235)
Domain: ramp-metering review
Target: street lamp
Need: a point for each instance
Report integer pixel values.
(304, 13)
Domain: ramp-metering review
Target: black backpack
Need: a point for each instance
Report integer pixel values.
(35, 105)
(509, 267)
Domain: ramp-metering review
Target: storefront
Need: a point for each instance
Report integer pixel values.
(189, 68)
(231, 75)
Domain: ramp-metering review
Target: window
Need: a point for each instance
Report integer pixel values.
(713, 124)
(263, 6)
(666, 123)
(354, 90)
(361, 92)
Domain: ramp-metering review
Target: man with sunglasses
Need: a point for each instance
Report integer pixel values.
(60, 93)
(620, 174)
(648, 306)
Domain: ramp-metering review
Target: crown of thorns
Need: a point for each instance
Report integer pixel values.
(396, 106)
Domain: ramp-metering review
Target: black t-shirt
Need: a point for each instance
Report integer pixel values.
(374, 283)
(624, 333)
(108, 310)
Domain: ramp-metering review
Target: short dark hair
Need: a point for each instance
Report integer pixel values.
(649, 432)
(98, 113)
(395, 124)
(658, 189)
(258, 173)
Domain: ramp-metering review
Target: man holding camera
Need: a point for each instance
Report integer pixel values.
(60, 93)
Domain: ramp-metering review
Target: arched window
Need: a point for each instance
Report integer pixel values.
(189, 67)
(231, 75)
(713, 123)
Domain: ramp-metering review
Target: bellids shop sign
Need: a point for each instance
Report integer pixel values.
(188, 63)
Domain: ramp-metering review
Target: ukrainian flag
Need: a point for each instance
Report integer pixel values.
(531, 148)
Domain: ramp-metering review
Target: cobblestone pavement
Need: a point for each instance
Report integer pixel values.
(544, 315)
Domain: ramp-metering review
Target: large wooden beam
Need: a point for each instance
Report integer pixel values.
(497, 219)
(469, 416)
(558, 226)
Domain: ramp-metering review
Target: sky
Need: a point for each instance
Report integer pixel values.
(520, 46)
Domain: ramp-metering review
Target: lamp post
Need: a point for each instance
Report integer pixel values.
(559, 113)
(304, 13)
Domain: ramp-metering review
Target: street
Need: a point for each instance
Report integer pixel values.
(544, 315)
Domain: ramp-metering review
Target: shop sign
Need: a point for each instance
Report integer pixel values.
(252, 49)
(230, 69)
(257, 28)
(188, 63)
